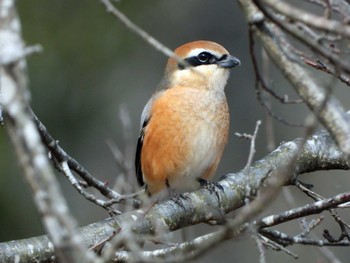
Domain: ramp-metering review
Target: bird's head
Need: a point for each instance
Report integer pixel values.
(205, 65)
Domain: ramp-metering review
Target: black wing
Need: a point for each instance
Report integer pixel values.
(138, 169)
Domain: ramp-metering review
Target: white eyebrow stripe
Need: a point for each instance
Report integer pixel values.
(195, 52)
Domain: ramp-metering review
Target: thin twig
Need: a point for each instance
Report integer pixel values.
(252, 145)
(105, 204)
(306, 210)
(276, 246)
(259, 244)
(309, 226)
(278, 236)
(61, 155)
(260, 84)
(322, 66)
(140, 32)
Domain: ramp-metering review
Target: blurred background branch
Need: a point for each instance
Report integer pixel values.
(30, 152)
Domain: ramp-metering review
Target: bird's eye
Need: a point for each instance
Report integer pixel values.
(205, 57)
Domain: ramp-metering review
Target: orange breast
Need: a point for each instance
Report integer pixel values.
(184, 137)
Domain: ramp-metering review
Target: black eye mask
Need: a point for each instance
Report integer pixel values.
(203, 58)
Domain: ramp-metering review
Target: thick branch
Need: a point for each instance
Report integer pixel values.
(319, 153)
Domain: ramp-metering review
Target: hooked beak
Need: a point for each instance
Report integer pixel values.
(228, 61)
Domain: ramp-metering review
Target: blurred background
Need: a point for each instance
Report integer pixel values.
(92, 67)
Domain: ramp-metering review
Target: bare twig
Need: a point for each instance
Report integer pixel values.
(61, 155)
(174, 253)
(285, 239)
(276, 246)
(259, 244)
(105, 204)
(322, 66)
(306, 210)
(308, 226)
(252, 145)
(260, 84)
(140, 32)
(252, 139)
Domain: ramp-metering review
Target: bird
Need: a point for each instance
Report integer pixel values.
(185, 124)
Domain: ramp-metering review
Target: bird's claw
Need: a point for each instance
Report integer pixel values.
(213, 187)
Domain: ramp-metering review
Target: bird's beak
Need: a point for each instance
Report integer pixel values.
(228, 61)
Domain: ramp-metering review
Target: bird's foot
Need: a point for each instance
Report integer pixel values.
(177, 198)
(213, 187)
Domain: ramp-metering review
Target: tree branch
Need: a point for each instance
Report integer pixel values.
(62, 157)
(319, 153)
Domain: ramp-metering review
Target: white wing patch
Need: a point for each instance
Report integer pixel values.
(146, 114)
